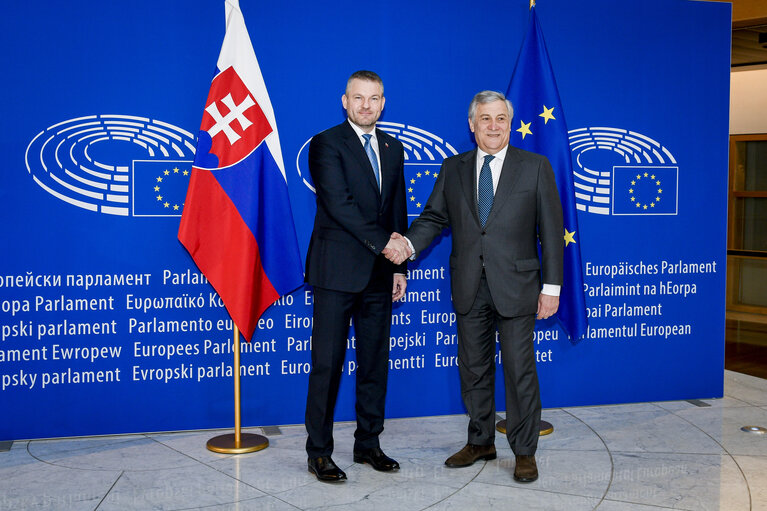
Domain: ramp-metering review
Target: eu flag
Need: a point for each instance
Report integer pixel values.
(539, 126)
(645, 190)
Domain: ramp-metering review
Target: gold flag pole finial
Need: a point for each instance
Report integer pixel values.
(532, 3)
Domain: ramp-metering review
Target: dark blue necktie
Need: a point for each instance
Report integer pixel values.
(372, 157)
(485, 194)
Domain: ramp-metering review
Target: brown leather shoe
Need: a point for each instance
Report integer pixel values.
(469, 454)
(526, 470)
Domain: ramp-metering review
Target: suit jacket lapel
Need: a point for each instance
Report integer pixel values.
(509, 177)
(384, 158)
(468, 175)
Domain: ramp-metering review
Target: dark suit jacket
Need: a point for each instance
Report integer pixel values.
(526, 206)
(353, 221)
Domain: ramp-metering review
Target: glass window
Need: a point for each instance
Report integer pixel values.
(747, 238)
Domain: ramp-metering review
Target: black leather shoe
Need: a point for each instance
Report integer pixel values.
(325, 470)
(376, 458)
(469, 454)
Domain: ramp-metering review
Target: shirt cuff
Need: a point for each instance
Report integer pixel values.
(551, 289)
(412, 250)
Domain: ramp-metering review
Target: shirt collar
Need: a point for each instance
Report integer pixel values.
(360, 132)
(499, 156)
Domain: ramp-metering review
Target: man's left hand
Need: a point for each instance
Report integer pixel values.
(547, 306)
(400, 284)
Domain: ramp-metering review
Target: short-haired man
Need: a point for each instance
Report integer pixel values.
(358, 174)
(499, 202)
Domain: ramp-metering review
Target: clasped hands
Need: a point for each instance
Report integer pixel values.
(397, 249)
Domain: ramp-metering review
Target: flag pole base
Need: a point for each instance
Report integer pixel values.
(227, 444)
(547, 428)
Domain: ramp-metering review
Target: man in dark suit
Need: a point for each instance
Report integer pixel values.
(358, 173)
(499, 201)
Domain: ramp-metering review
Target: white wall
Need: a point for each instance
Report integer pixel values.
(748, 100)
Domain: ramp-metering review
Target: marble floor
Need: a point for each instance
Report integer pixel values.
(638, 457)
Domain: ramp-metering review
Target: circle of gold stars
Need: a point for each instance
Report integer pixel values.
(159, 197)
(659, 190)
(412, 182)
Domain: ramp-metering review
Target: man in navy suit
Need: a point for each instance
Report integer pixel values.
(358, 173)
(500, 202)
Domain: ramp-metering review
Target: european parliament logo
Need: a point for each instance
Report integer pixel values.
(159, 187)
(621, 172)
(114, 164)
(424, 152)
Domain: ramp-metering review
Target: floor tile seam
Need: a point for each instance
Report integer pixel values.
(609, 454)
(249, 499)
(309, 481)
(658, 413)
(183, 453)
(740, 404)
(739, 400)
(672, 453)
(613, 409)
(641, 504)
(85, 448)
(638, 503)
(208, 465)
(453, 490)
(563, 449)
(530, 487)
(749, 403)
(740, 469)
(673, 412)
(108, 491)
(57, 465)
(457, 490)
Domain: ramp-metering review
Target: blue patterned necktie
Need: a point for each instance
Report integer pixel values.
(485, 194)
(372, 158)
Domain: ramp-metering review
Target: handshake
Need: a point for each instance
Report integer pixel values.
(397, 250)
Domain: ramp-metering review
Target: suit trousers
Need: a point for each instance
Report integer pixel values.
(476, 364)
(370, 311)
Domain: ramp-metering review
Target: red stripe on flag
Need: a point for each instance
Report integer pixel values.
(226, 251)
(231, 141)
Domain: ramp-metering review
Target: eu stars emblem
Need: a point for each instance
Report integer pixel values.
(419, 182)
(424, 153)
(159, 187)
(645, 190)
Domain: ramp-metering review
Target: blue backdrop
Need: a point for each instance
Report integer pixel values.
(106, 326)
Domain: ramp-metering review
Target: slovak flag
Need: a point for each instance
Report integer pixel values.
(237, 223)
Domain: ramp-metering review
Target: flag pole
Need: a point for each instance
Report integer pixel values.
(546, 428)
(248, 270)
(237, 443)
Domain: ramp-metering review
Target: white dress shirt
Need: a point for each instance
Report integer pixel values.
(496, 165)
